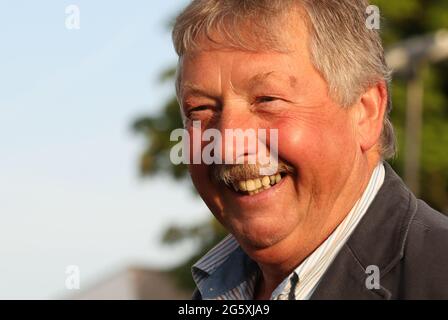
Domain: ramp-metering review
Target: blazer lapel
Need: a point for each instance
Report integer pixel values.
(378, 240)
(346, 280)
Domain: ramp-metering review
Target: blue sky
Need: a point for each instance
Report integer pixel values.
(69, 187)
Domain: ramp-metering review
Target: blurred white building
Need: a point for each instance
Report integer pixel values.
(134, 283)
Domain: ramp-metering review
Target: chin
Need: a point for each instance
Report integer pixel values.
(258, 235)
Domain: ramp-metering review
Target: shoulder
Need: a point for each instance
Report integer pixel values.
(430, 227)
(425, 259)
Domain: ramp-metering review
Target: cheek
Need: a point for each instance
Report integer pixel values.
(200, 178)
(321, 143)
(206, 189)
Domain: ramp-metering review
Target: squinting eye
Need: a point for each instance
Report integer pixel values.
(199, 112)
(193, 110)
(265, 99)
(200, 108)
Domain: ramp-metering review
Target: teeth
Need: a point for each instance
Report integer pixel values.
(278, 177)
(266, 181)
(258, 184)
(254, 186)
(250, 185)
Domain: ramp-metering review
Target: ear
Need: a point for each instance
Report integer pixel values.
(370, 111)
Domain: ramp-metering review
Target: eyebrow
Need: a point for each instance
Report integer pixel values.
(259, 78)
(192, 89)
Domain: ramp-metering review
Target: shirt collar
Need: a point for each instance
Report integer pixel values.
(226, 271)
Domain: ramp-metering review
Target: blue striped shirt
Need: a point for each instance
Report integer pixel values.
(227, 273)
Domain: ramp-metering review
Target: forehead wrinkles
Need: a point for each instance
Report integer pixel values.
(214, 70)
(237, 72)
(234, 69)
(229, 72)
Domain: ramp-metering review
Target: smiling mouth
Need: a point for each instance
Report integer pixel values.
(254, 186)
(247, 179)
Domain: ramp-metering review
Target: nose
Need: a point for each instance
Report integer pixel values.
(238, 127)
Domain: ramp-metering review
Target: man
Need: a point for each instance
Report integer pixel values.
(334, 221)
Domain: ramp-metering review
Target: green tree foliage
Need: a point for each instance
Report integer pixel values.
(400, 20)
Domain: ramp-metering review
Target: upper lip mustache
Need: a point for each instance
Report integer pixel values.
(233, 174)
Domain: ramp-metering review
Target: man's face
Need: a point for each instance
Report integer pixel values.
(236, 89)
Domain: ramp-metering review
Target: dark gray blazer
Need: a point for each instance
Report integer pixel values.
(404, 238)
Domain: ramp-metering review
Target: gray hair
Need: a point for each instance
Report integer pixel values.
(348, 55)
